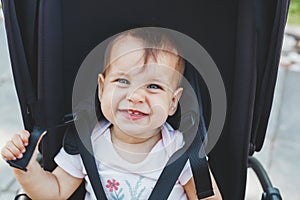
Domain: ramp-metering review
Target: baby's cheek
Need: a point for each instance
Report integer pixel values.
(106, 108)
(160, 113)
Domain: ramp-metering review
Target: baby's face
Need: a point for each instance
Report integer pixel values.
(135, 97)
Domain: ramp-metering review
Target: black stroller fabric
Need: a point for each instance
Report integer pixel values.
(48, 41)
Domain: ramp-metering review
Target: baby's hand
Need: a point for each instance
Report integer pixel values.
(15, 148)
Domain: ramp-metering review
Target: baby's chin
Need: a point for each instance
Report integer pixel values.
(140, 130)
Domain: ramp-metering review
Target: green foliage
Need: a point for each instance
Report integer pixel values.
(294, 12)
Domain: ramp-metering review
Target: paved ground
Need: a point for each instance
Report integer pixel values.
(281, 151)
(280, 154)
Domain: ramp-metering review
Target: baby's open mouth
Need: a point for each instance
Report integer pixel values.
(133, 114)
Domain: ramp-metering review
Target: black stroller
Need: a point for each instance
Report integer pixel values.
(48, 40)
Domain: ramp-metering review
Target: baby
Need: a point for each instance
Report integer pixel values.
(138, 90)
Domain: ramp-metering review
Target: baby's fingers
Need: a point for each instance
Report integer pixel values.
(20, 141)
(7, 154)
(25, 137)
(16, 146)
(10, 151)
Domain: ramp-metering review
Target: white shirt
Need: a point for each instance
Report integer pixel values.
(123, 180)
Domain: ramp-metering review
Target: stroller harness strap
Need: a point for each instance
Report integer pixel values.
(172, 171)
(91, 168)
(168, 177)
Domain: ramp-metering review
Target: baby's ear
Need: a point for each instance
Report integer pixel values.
(100, 86)
(174, 102)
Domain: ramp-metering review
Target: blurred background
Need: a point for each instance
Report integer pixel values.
(279, 155)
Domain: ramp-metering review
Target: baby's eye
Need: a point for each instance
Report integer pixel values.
(154, 86)
(122, 81)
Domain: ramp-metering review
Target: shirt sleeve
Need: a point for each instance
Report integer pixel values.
(186, 174)
(72, 164)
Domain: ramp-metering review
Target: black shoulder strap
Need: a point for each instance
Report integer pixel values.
(200, 169)
(89, 161)
(69, 141)
(199, 163)
(197, 158)
(171, 172)
(91, 168)
(169, 176)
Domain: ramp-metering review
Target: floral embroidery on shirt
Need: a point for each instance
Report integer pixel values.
(135, 195)
(112, 185)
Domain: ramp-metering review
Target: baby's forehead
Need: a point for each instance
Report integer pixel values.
(127, 51)
(126, 46)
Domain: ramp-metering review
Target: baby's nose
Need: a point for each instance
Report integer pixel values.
(136, 96)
